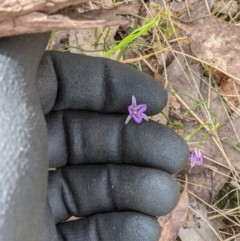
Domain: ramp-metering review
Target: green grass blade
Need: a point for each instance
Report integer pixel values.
(133, 35)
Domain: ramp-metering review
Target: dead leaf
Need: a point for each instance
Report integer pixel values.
(174, 103)
(180, 74)
(231, 142)
(172, 222)
(208, 182)
(192, 9)
(159, 117)
(214, 41)
(156, 3)
(229, 89)
(197, 226)
(227, 7)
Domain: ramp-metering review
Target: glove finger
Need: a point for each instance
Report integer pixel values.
(111, 226)
(48, 231)
(23, 145)
(77, 137)
(89, 189)
(73, 81)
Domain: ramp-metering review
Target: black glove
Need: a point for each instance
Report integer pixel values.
(116, 178)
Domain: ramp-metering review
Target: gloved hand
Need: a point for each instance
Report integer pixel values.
(118, 178)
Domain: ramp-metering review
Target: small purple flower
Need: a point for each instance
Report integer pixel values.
(196, 156)
(136, 112)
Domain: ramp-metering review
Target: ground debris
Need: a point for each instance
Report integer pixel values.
(197, 227)
(40, 21)
(172, 222)
(215, 42)
(192, 9)
(230, 8)
(229, 89)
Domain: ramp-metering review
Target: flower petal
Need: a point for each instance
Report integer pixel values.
(145, 117)
(128, 119)
(200, 159)
(197, 153)
(138, 118)
(134, 102)
(130, 109)
(192, 150)
(193, 160)
(141, 108)
(196, 156)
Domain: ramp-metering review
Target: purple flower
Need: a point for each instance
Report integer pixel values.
(196, 156)
(136, 112)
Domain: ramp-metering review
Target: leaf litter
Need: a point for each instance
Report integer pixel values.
(172, 222)
(194, 53)
(214, 41)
